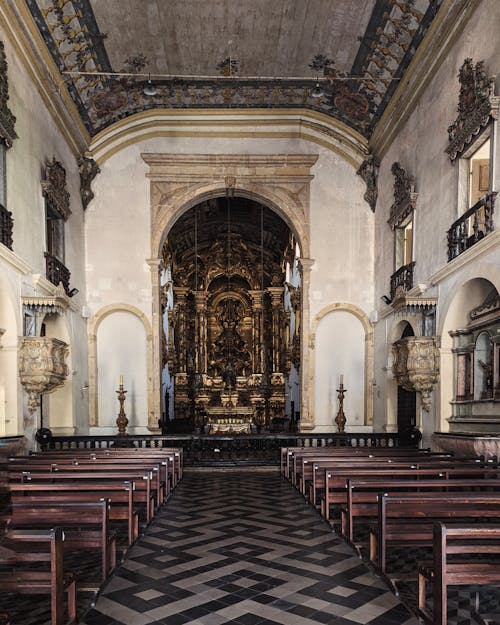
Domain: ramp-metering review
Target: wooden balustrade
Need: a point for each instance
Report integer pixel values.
(57, 271)
(6, 227)
(472, 226)
(403, 278)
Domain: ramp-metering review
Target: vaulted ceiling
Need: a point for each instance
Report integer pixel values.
(277, 49)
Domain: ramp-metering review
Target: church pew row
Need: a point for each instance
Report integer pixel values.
(408, 520)
(361, 507)
(21, 579)
(121, 497)
(336, 481)
(145, 494)
(458, 559)
(86, 528)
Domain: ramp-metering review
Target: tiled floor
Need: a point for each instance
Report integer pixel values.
(243, 548)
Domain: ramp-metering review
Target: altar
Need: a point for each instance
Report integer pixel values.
(229, 420)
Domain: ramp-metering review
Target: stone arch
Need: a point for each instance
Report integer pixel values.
(279, 181)
(369, 353)
(92, 351)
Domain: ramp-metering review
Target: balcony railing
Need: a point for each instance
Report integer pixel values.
(403, 278)
(6, 227)
(57, 272)
(472, 226)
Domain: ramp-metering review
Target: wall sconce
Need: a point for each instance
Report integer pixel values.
(73, 292)
(386, 299)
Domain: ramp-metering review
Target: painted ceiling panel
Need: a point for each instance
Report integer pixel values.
(358, 48)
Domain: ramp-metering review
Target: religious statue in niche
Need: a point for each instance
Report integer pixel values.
(487, 368)
(230, 357)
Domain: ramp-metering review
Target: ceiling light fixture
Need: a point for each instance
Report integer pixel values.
(317, 92)
(150, 89)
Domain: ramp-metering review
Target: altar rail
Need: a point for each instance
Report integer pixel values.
(200, 450)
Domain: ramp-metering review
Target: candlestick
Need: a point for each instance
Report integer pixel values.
(122, 420)
(340, 418)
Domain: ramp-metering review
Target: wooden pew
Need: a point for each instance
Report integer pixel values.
(144, 493)
(466, 542)
(53, 582)
(121, 496)
(336, 482)
(85, 526)
(362, 496)
(407, 520)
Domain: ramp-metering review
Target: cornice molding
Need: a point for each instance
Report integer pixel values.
(243, 123)
(448, 24)
(28, 44)
(15, 261)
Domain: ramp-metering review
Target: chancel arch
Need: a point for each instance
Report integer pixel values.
(227, 317)
(121, 334)
(333, 357)
(280, 182)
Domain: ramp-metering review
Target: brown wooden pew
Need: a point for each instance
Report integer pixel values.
(362, 496)
(407, 520)
(144, 494)
(85, 526)
(30, 582)
(336, 482)
(121, 496)
(466, 542)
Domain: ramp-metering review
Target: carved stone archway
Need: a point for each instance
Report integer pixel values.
(179, 181)
(369, 353)
(92, 351)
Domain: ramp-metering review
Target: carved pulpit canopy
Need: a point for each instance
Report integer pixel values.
(405, 198)
(42, 366)
(416, 365)
(54, 188)
(7, 119)
(477, 106)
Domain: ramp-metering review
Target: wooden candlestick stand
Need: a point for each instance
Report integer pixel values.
(340, 418)
(122, 420)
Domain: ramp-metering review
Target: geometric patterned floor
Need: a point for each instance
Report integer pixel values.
(243, 548)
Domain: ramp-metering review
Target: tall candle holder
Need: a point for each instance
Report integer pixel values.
(122, 420)
(340, 418)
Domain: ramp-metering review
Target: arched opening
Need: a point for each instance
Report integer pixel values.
(9, 386)
(230, 296)
(470, 360)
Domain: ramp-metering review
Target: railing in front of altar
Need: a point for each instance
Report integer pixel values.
(227, 450)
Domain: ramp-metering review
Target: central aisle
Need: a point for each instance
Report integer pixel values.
(243, 547)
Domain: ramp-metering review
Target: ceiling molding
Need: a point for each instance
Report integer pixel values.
(30, 47)
(316, 128)
(448, 24)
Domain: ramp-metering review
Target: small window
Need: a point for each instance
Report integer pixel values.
(404, 242)
(479, 173)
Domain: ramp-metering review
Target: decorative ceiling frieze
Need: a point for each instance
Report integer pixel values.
(362, 51)
(54, 188)
(477, 106)
(405, 197)
(7, 119)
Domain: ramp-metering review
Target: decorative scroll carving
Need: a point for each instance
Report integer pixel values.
(416, 365)
(54, 188)
(405, 198)
(477, 104)
(7, 119)
(88, 170)
(368, 170)
(42, 366)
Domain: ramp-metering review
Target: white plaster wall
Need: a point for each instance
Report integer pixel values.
(39, 140)
(121, 351)
(340, 350)
(420, 149)
(117, 226)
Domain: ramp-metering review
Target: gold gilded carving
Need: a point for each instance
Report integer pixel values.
(42, 366)
(416, 365)
(405, 198)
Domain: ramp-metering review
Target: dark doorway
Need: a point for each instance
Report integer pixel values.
(407, 415)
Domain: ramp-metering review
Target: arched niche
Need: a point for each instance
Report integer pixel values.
(279, 181)
(10, 397)
(455, 316)
(334, 355)
(120, 345)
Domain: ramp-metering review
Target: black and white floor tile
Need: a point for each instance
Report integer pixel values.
(243, 548)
